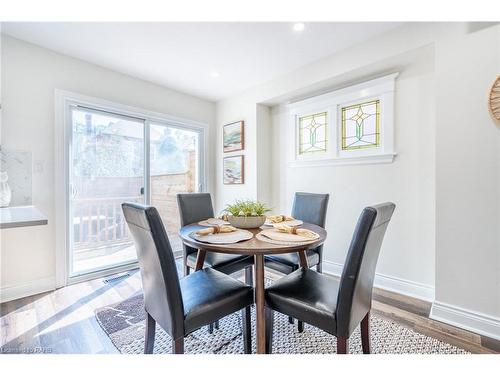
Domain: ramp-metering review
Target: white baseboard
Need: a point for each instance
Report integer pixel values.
(9, 293)
(473, 321)
(469, 320)
(393, 284)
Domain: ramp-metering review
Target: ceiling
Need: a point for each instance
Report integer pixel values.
(209, 60)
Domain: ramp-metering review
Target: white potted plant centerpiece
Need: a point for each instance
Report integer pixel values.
(246, 214)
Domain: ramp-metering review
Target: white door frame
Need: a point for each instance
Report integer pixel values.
(63, 102)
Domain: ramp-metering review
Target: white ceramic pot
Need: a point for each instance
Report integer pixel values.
(5, 192)
(246, 222)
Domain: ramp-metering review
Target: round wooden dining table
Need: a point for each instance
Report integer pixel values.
(258, 249)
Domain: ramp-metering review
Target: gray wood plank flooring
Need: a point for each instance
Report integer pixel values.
(63, 321)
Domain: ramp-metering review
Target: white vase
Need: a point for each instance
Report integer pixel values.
(5, 192)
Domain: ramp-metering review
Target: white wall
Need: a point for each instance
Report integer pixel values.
(237, 110)
(335, 71)
(408, 251)
(265, 145)
(0, 95)
(258, 162)
(468, 183)
(30, 75)
(444, 236)
(409, 181)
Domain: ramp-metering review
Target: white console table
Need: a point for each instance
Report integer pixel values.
(21, 216)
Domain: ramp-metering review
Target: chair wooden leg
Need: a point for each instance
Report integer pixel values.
(149, 339)
(247, 330)
(216, 324)
(249, 275)
(342, 345)
(365, 333)
(269, 330)
(301, 326)
(319, 267)
(290, 320)
(178, 346)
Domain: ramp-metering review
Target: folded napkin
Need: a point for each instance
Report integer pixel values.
(217, 221)
(217, 229)
(279, 218)
(298, 231)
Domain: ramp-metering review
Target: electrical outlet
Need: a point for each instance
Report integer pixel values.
(38, 167)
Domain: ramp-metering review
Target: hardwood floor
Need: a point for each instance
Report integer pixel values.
(63, 321)
(414, 313)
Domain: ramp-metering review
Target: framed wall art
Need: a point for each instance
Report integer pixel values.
(234, 136)
(234, 170)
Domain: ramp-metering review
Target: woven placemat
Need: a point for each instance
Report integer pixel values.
(278, 235)
(263, 238)
(223, 238)
(292, 223)
(213, 222)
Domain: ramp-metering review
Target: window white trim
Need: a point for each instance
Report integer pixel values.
(63, 102)
(381, 89)
(370, 159)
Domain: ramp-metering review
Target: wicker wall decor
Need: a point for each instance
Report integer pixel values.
(494, 101)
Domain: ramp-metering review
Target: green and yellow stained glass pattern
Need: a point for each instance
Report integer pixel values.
(313, 133)
(361, 126)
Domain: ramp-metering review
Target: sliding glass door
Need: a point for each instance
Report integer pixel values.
(107, 169)
(116, 158)
(174, 168)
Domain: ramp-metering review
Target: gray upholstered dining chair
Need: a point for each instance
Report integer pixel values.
(193, 208)
(335, 306)
(310, 208)
(180, 306)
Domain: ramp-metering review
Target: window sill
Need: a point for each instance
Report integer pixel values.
(357, 160)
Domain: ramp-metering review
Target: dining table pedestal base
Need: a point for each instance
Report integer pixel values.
(260, 304)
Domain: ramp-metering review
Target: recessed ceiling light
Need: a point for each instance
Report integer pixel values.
(214, 74)
(299, 26)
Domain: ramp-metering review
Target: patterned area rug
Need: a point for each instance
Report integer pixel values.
(124, 324)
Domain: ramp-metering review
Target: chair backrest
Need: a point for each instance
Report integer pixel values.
(356, 283)
(194, 207)
(160, 282)
(310, 208)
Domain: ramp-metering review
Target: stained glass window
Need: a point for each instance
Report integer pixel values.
(313, 133)
(361, 126)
